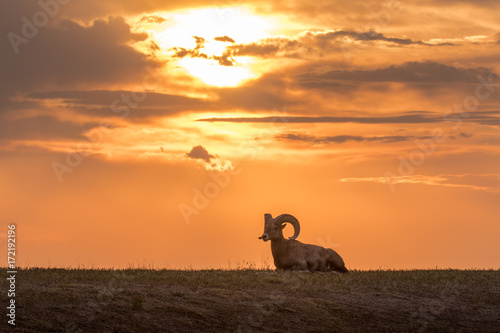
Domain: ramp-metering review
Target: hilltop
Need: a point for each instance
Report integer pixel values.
(142, 300)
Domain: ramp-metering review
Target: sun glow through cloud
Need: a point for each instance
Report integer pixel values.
(239, 24)
(210, 72)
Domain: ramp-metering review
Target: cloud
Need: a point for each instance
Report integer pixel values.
(40, 127)
(409, 72)
(95, 8)
(267, 92)
(199, 152)
(108, 103)
(181, 52)
(323, 38)
(262, 94)
(268, 47)
(106, 97)
(209, 161)
(479, 182)
(70, 54)
(308, 44)
(345, 138)
(200, 41)
(407, 18)
(402, 119)
(225, 59)
(412, 117)
(316, 43)
(224, 39)
(152, 19)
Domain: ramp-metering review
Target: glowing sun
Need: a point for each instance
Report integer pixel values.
(197, 39)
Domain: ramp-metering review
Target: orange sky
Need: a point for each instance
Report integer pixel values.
(160, 133)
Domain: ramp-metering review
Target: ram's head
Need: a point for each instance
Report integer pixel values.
(273, 228)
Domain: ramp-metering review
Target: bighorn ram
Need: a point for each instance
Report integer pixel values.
(294, 255)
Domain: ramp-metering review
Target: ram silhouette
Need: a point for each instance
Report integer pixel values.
(290, 254)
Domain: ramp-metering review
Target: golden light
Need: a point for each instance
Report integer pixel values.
(211, 73)
(239, 24)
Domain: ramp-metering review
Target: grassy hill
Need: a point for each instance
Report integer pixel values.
(141, 300)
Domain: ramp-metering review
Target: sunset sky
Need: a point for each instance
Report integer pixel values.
(159, 133)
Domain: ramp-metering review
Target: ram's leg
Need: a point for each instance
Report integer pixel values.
(336, 262)
(312, 266)
(295, 265)
(299, 267)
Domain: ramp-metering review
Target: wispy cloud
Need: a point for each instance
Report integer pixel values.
(224, 39)
(403, 119)
(224, 59)
(410, 72)
(306, 45)
(152, 19)
(480, 182)
(345, 138)
(310, 44)
(412, 117)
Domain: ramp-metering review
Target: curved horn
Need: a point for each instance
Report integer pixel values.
(287, 218)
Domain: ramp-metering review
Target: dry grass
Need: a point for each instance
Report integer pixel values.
(142, 300)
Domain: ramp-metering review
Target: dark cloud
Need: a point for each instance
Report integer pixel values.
(120, 103)
(153, 47)
(272, 46)
(308, 44)
(152, 19)
(317, 43)
(409, 72)
(413, 117)
(224, 39)
(225, 59)
(200, 41)
(265, 93)
(345, 138)
(324, 84)
(70, 54)
(91, 9)
(324, 38)
(41, 128)
(199, 152)
(181, 52)
(106, 98)
(402, 119)
(479, 118)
